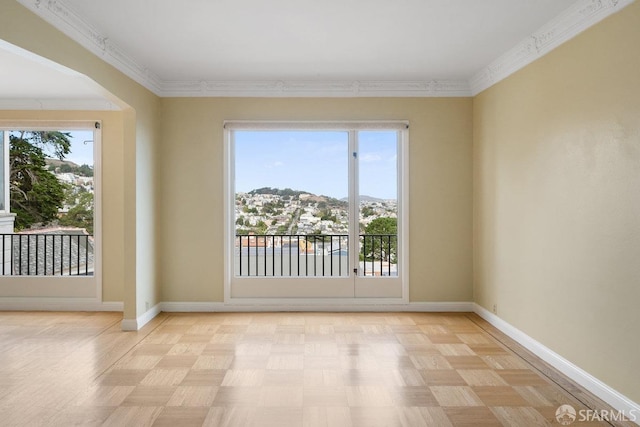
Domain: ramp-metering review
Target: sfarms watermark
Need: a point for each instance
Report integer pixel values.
(567, 414)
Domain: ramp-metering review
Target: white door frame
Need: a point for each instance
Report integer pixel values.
(343, 298)
(64, 288)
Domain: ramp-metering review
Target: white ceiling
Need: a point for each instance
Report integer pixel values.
(29, 82)
(308, 39)
(320, 48)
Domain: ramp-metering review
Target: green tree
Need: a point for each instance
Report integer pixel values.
(367, 211)
(380, 240)
(35, 192)
(84, 170)
(81, 214)
(261, 227)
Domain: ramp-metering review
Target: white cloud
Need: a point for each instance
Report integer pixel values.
(273, 165)
(370, 157)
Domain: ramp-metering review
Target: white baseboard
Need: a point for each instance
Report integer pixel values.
(256, 306)
(592, 384)
(137, 323)
(58, 304)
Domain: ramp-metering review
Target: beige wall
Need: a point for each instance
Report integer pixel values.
(557, 200)
(135, 229)
(191, 178)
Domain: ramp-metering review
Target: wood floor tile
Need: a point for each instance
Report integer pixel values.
(325, 396)
(413, 397)
(519, 416)
(132, 416)
(521, 377)
(139, 362)
(212, 362)
(124, 377)
(85, 416)
(375, 417)
(533, 396)
(456, 396)
(365, 395)
(177, 361)
(324, 378)
(500, 361)
(326, 416)
(243, 378)
(162, 377)
(152, 349)
(442, 377)
(466, 362)
(474, 417)
(281, 369)
(230, 416)
(455, 350)
(281, 396)
(204, 377)
(500, 396)
(100, 395)
(434, 416)
(149, 396)
(193, 396)
(283, 377)
(481, 377)
(237, 396)
(430, 361)
(184, 417)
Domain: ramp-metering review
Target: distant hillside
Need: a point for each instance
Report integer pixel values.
(56, 163)
(297, 194)
(366, 199)
(277, 191)
(66, 166)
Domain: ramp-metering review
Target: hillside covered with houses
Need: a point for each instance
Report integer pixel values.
(292, 212)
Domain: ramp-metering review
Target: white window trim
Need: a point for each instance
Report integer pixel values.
(229, 196)
(88, 289)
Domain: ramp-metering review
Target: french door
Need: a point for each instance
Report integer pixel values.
(316, 210)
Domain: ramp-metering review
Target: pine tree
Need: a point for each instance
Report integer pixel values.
(35, 192)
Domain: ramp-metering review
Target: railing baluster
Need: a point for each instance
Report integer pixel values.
(44, 261)
(86, 258)
(290, 256)
(70, 254)
(78, 257)
(381, 249)
(20, 256)
(36, 263)
(298, 252)
(281, 257)
(377, 249)
(389, 257)
(239, 239)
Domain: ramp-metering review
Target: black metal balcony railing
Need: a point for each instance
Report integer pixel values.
(317, 255)
(47, 255)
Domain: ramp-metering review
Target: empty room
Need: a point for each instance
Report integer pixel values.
(365, 213)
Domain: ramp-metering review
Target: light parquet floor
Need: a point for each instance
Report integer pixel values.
(274, 369)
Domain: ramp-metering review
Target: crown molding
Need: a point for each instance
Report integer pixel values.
(58, 14)
(577, 18)
(432, 88)
(68, 104)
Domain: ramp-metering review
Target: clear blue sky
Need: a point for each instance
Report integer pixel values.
(315, 161)
(81, 147)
